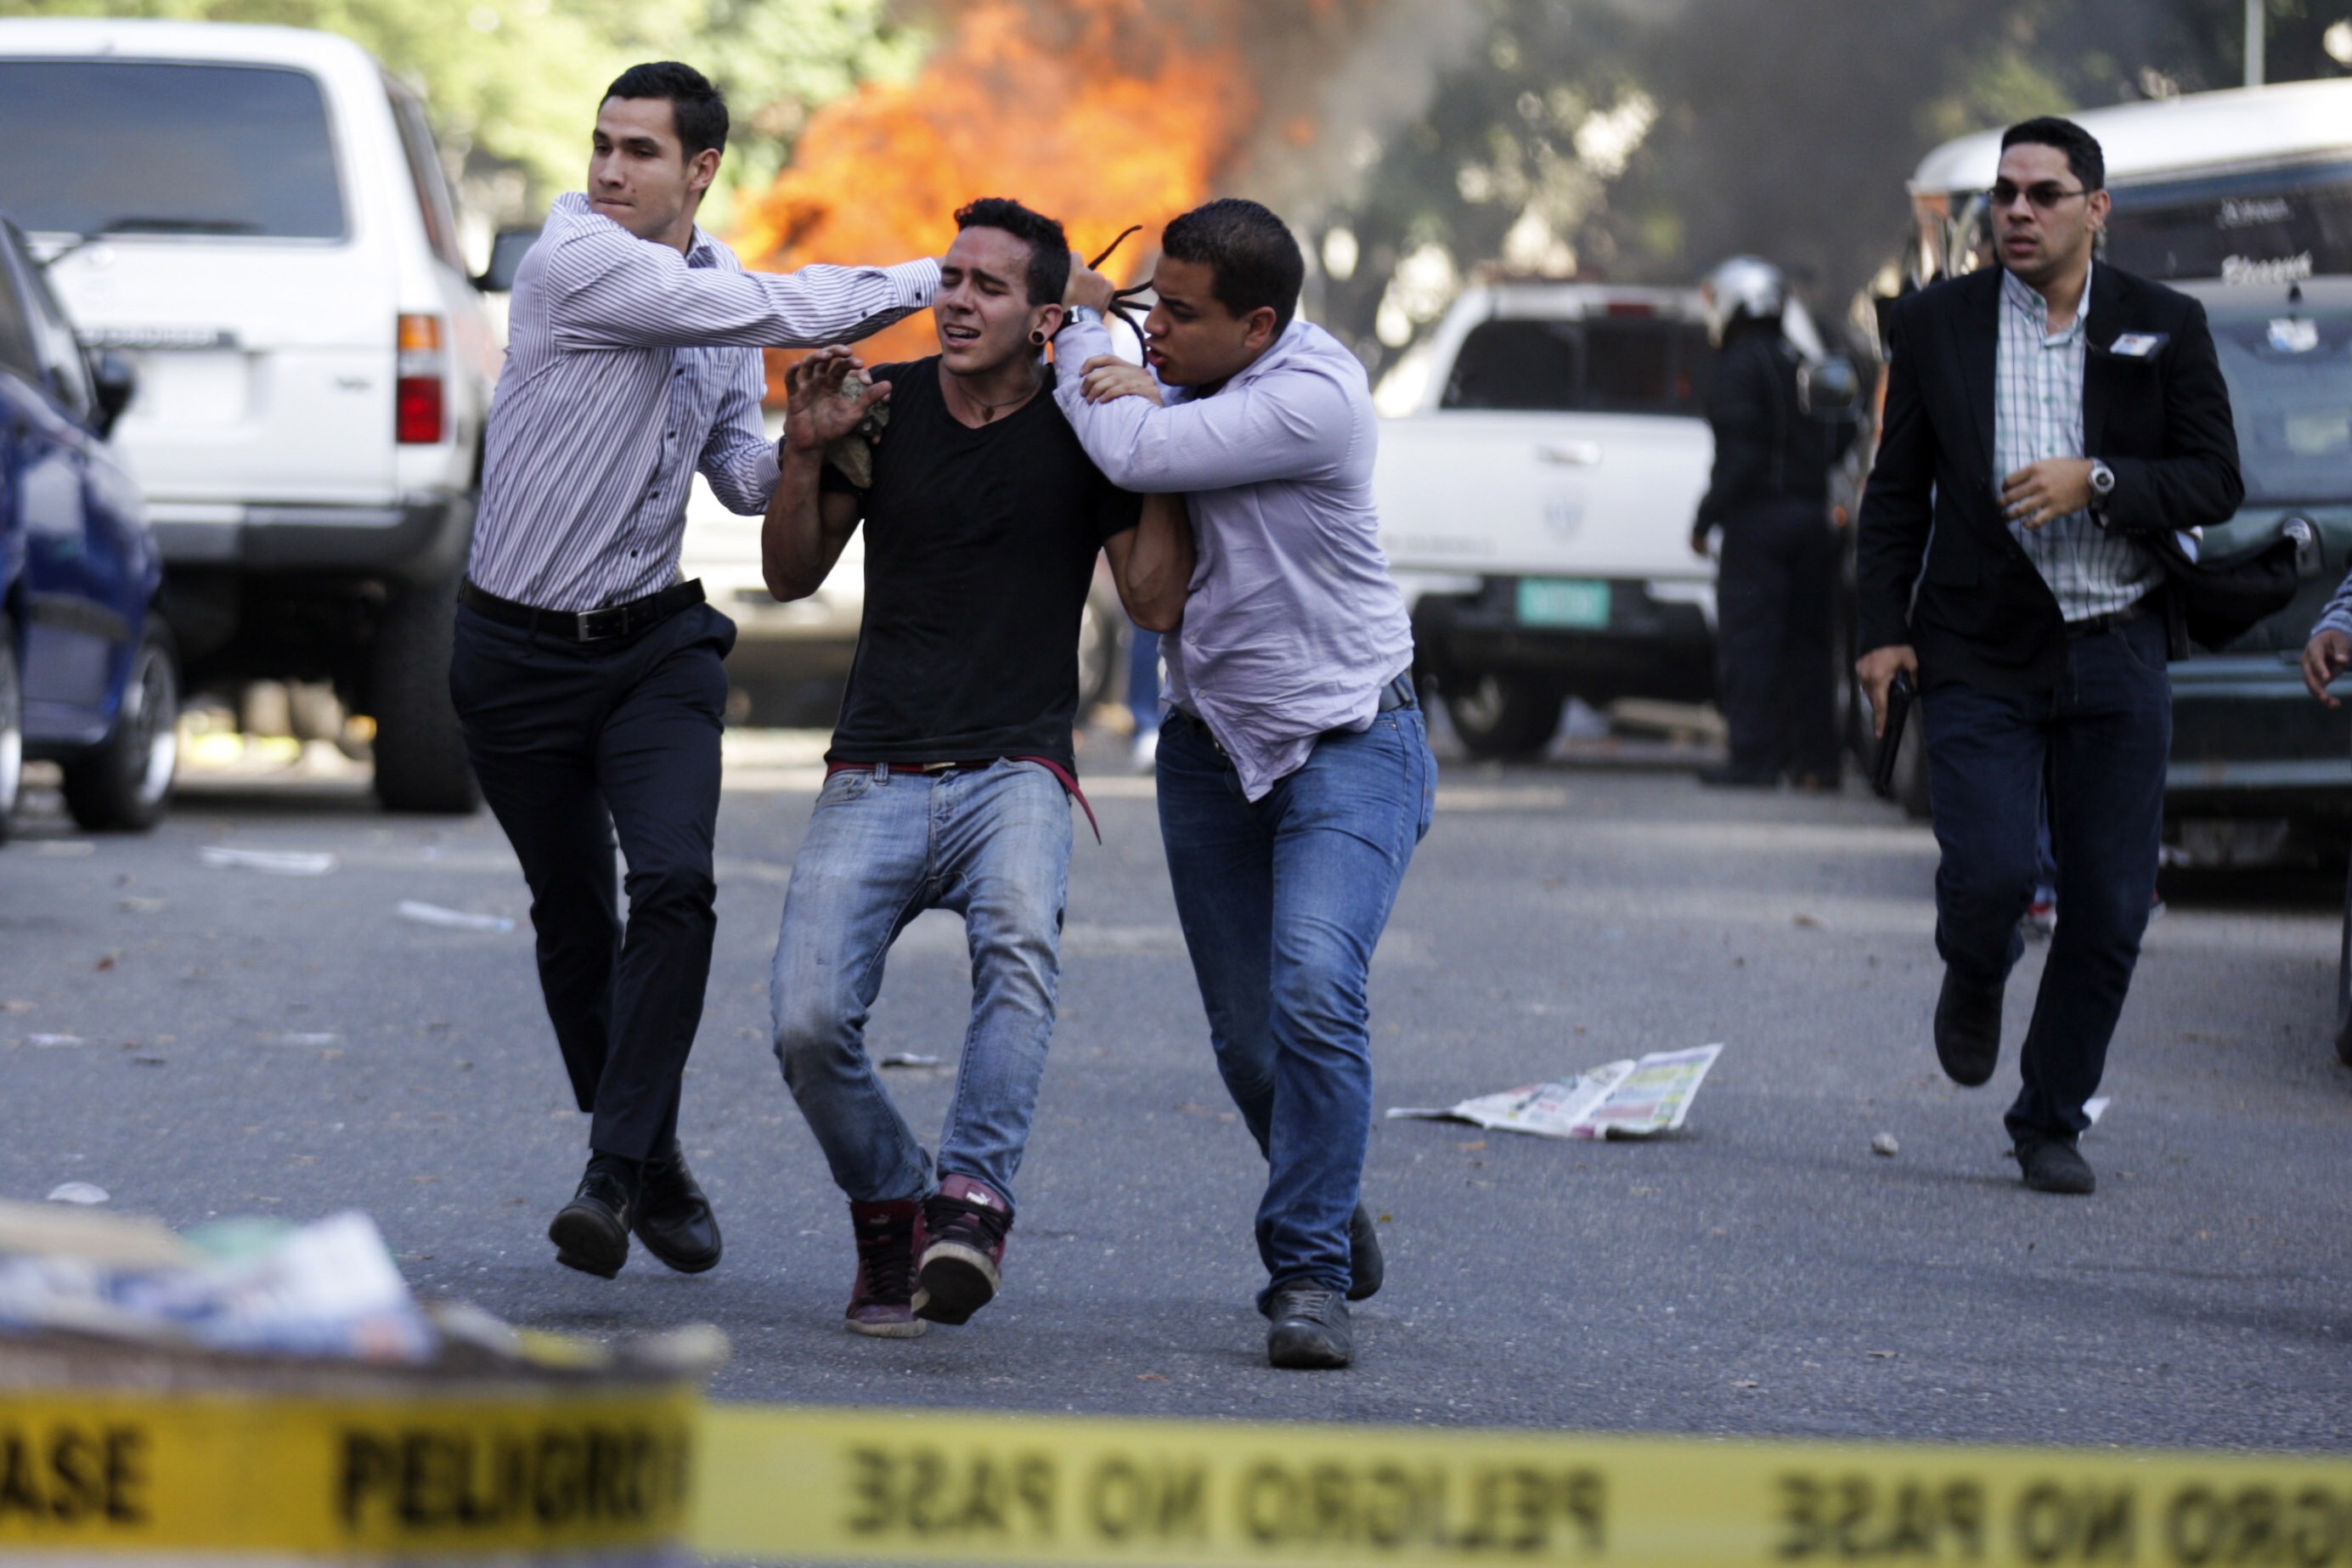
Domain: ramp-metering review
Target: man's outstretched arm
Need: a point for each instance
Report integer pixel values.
(806, 529)
(607, 288)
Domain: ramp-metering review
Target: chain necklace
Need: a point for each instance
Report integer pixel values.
(988, 411)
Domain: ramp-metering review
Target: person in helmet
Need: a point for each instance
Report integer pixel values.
(1778, 559)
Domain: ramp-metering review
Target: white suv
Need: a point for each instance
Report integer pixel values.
(256, 215)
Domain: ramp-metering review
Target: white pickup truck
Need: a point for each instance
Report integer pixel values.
(1536, 507)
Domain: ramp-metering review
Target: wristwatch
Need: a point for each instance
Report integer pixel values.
(2103, 486)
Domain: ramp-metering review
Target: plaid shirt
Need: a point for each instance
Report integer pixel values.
(2038, 413)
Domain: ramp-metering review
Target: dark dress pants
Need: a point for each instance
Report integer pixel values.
(575, 743)
(1774, 632)
(2097, 746)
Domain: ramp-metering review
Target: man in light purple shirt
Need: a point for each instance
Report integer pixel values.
(1295, 773)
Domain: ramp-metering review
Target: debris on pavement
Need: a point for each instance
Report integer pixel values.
(1885, 1144)
(303, 1038)
(329, 1289)
(53, 1042)
(275, 862)
(2096, 1107)
(138, 904)
(908, 1059)
(1621, 1100)
(86, 1194)
(451, 919)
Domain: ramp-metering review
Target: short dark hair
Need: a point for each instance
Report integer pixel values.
(1049, 248)
(1253, 257)
(2081, 149)
(699, 108)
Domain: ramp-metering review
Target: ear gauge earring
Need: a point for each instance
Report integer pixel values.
(1037, 338)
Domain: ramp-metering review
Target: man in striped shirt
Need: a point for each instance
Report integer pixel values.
(2043, 420)
(589, 680)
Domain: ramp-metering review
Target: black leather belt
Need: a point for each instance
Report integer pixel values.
(2114, 620)
(1398, 693)
(584, 626)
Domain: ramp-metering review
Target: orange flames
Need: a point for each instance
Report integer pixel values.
(1100, 112)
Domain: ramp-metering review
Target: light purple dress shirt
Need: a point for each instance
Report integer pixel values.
(1293, 624)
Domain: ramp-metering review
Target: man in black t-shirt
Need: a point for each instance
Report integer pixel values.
(949, 767)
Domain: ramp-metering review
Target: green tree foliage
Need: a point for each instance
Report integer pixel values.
(512, 85)
(1645, 140)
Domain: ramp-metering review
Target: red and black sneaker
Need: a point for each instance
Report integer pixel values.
(963, 1251)
(882, 1302)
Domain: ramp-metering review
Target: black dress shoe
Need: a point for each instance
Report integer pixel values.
(1366, 1267)
(591, 1231)
(1310, 1328)
(1968, 1030)
(2054, 1165)
(673, 1218)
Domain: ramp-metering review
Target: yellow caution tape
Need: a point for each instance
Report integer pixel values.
(547, 1472)
(922, 1485)
(99, 1470)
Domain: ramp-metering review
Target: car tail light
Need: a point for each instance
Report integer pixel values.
(419, 416)
(1637, 309)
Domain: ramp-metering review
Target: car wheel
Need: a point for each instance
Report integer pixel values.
(2343, 982)
(12, 727)
(420, 748)
(1503, 716)
(124, 783)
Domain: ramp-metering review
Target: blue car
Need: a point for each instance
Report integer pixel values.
(87, 676)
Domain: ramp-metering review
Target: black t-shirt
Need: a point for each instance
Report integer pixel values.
(980, 548)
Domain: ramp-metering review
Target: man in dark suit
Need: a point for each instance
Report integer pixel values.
(2046, 418)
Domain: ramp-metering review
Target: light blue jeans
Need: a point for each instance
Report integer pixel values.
(994, 845)
(1283, 901)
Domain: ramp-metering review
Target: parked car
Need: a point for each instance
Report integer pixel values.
(87, 674)
(256, 216)
(1537, 508)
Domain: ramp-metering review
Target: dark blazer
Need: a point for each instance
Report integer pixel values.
(1931, 516)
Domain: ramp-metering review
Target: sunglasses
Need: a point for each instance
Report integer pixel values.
(2044, 195)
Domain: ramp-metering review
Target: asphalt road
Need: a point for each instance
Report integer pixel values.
(258, 1043)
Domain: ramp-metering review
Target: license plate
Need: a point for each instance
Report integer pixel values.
(1563, 602)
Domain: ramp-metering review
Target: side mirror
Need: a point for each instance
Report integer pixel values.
(2308, 560)
(115, 381)
(1829, 390)
(507, 252)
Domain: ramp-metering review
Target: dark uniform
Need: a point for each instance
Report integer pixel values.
(1779, 564)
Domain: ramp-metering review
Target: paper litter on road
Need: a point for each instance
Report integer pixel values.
(452, 919)
(276, 862)
(1621, 1100)
(303, 1038)
(325, 1290)
(53, 1042)
(908, 1059)
(2096, 1107)
(83, 1193)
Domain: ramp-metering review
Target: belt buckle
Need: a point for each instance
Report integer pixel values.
(595, 626)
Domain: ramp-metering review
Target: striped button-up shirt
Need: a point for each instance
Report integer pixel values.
(629, 366)
(2037, 413)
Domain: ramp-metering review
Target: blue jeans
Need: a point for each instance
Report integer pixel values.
(1143, 678)
(994, 847)
(1282, 902)
(2097, 748)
